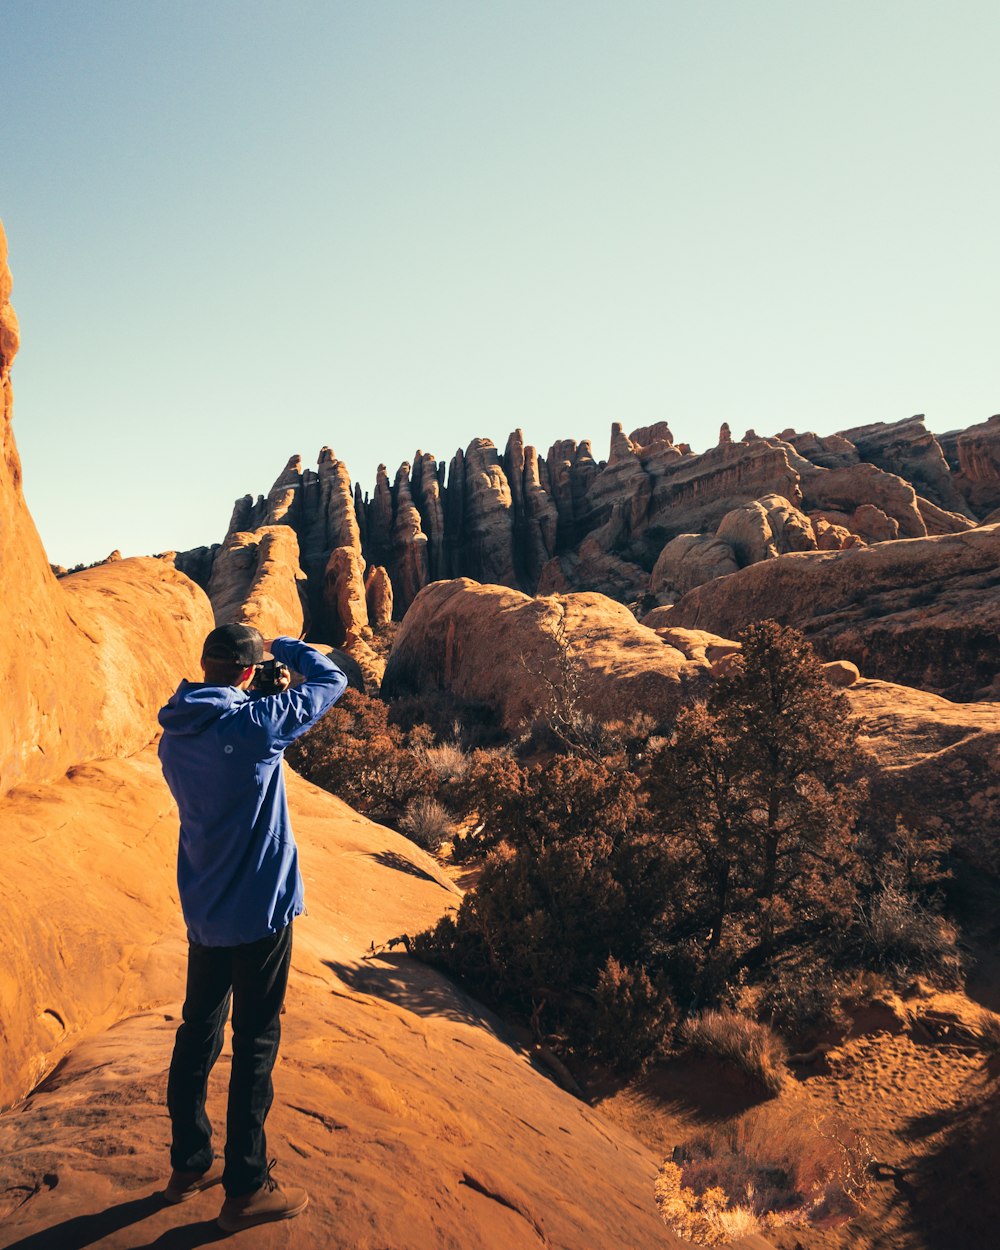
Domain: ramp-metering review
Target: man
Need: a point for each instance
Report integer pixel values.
(240, 889)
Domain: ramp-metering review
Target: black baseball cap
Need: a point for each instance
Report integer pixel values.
(234, 644)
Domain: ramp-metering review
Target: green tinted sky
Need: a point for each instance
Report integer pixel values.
(244, 230)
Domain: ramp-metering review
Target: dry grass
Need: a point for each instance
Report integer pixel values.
(737, 1040)
(426, 822)
(771, 1167)
(448, 760)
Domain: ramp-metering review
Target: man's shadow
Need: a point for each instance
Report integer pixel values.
(81, 1231)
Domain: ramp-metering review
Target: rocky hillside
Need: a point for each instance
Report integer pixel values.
(652, 522)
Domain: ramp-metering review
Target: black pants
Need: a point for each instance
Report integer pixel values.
(255, 977)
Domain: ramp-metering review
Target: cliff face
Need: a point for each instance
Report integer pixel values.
(87, 659)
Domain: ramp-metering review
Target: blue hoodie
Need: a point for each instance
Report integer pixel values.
(221, 752)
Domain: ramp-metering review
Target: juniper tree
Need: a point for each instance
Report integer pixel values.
(764, 782)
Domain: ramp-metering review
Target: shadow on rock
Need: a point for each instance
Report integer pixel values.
(81, 1231)
(406, 982)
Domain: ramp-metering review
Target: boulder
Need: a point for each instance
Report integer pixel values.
(493, 645)
(841, 673)
(690, 560)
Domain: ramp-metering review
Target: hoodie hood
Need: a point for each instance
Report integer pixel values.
(194, 706)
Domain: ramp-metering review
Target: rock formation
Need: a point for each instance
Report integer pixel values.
(925, 612)
(497, 646)
(974, 457)
(255, 581)
(652, 523)
(87, 658)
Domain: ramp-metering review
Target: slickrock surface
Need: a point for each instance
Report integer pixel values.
(85, 657)
(924, 612)
(413, 1119)
(496, 646)
(938, 763)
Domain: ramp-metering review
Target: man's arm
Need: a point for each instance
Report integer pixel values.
(285, 717)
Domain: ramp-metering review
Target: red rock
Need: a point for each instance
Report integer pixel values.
(409, 543)
(256, 580)
(925, 611)
(378, 593)
(87, 659)
(344, 601)
(494, 645)
(690, 560)
(908, 449)
(841, 673)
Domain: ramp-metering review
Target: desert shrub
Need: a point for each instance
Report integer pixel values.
(355, 753)
(450, 718)
(447, 760)
(804, 999)
(771, 1167)
(426, 822)
(741, 1042)
(898, 934)
(572, 876)
(634, 1016)
(706, 1219)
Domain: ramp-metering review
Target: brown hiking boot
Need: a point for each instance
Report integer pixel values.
(268, 1203)
(185, 1185)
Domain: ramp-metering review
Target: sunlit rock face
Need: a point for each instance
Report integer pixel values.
(88, 658)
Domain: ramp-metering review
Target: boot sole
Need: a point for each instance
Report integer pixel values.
(236, 1224)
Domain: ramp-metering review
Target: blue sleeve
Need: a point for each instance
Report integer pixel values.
(285, 717)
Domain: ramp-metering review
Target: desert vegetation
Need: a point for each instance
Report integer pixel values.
(719, 886)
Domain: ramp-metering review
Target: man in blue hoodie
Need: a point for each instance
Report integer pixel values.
(240, 889)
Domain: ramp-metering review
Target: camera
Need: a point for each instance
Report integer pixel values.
(270, 677)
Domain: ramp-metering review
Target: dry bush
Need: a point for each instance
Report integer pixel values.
(448, 760)
(706, 1219)
(805, 999)
(735, 1039)
(449, 717)
(426, 822)
(898, 934)
(771, 1167)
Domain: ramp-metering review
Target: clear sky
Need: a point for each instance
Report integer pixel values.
(240, 230)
